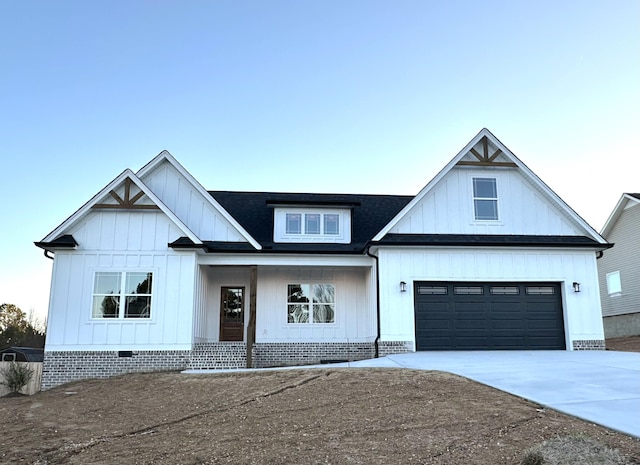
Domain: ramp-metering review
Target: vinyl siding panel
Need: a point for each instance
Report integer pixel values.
(625, 258)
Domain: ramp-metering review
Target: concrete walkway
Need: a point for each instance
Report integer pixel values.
(602, 387)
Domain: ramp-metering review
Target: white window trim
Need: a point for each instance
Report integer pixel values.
(280, 226)
(311, 322)
(121, 307)
(474, 198)
(614, 284)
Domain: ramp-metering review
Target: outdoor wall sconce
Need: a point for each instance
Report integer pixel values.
(403, 286)
(576, 287)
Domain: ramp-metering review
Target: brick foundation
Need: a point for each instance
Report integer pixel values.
(270, 354)
(394, 347)
(589, 344)
(63, 367)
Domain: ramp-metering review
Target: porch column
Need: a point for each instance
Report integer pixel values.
(251, 328)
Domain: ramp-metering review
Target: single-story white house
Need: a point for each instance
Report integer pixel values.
(155, 272)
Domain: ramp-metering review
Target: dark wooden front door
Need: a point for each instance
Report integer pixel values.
(232, 314)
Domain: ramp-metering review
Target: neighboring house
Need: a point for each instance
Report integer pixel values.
(619, 269)
(155, 272)
(21, 354)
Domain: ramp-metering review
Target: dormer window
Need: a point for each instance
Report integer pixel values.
(305, 225)
(485, 199)
(315, 224)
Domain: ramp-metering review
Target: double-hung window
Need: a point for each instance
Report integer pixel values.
(485, 199)
(311, 303)
(125, 294)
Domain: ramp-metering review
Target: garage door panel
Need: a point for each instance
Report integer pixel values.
(489, 316)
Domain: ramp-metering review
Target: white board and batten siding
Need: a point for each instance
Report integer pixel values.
(188, 204)
(522, 208)
(355, 309)
(122, 241)
(581, 310)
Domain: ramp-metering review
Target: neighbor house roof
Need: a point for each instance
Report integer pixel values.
(625, 198)
(25, 354)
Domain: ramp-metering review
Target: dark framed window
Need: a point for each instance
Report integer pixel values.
(311, 303)
(125, 294)
(485, 199)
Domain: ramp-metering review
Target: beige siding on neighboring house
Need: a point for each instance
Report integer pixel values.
(625, 258)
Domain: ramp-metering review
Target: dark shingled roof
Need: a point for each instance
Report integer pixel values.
(497, 240)
(254, 211)
(24, 354)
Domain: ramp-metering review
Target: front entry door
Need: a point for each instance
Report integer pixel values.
(232, 314)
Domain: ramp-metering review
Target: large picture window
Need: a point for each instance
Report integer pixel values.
(311, 303)
(485, 199)
(124, 294)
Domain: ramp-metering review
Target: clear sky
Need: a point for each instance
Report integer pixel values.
(305, 96)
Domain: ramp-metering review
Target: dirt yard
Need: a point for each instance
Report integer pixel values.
(624, 344)
(331, 416)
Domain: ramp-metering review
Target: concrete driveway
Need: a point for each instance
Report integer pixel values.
(602, 387)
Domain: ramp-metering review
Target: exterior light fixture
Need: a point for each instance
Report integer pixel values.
(403, 286)
(576, 287)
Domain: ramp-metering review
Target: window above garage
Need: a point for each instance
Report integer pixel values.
(307, 225)
(485, 199)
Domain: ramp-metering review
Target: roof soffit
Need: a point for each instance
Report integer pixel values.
(126, 192)
(486, 151)
(165, 156)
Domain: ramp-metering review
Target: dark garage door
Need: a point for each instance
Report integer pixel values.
(488, 316)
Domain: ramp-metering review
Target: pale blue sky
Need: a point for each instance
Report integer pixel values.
(312, 96)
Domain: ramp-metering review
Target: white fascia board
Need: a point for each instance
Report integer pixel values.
(86, 208)
(285, 260)
(561, 204)
(617, 211)
(165, 155)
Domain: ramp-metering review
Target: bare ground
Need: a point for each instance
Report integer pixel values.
(329, 416)
(624, 344)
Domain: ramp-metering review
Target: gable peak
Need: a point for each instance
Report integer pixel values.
(486, 152)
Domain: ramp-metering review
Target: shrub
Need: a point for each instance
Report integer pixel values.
(572, 450)
(16, 376)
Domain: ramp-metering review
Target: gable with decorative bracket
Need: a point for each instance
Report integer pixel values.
(485, 154)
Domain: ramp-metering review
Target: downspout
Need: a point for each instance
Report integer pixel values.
(377, 341)
(46, 254)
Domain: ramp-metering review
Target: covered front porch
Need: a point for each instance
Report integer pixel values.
(287, 313)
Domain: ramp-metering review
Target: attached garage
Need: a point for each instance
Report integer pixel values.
(488, 316)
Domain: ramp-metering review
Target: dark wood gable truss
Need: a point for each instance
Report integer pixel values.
(485, 159)
(128, 202)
